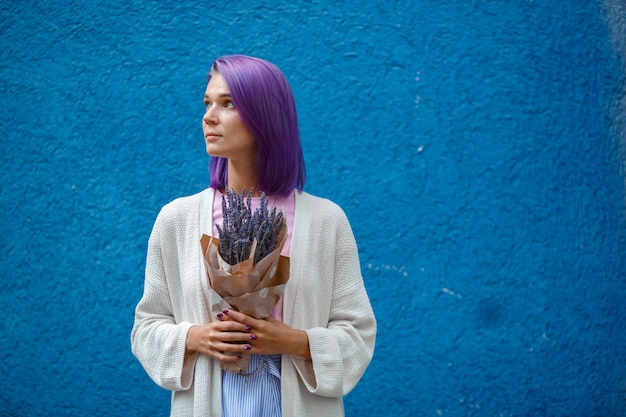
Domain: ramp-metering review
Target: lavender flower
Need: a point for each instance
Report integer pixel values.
(241, 227)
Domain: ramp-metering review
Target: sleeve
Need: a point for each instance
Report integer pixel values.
(157, 340)
(341, 350)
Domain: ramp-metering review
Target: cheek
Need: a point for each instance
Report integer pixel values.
(241, 129)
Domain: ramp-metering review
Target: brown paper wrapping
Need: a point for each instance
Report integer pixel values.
(250, 289)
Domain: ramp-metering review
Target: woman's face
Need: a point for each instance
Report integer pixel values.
(225, 134)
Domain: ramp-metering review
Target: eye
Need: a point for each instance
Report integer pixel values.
(228, 104)
(207, 104)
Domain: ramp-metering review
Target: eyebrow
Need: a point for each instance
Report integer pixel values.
(223, 95)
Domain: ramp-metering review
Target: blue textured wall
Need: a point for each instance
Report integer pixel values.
(475, 146)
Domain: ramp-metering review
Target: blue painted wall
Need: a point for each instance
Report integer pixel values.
(476, 146)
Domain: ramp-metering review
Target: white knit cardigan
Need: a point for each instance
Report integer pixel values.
(325, 296)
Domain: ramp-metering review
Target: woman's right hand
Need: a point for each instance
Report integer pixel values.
(225, 341)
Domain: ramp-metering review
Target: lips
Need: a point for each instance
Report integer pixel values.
(211, 135)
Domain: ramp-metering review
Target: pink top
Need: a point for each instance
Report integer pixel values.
(286, 204)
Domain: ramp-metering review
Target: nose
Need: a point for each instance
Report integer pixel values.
(210, 117)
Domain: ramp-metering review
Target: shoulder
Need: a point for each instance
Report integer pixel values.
(182, 209)
(186, 201)
(320, 209)
(317, 203)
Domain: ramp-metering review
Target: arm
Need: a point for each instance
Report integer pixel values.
(333, 306)
(157, 340)
(343, 349)
(171, 323)
(341, 342)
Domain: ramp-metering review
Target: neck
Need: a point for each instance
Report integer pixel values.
(242, 177)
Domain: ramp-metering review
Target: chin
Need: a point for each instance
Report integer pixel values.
(210, 150)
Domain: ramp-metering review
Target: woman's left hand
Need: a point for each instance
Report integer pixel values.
(270, 336)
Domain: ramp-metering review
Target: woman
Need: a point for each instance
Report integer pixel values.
(320, 338)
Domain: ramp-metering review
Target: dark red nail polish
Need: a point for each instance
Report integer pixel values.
(247, 347)
(248, 328)
(220, 315)
(252, 337)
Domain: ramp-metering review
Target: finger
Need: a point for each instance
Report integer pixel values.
(240, 317)
(222, 316)
(237, 337)
(227, 324)
(228, 358)
(232, 347)
(219, 350)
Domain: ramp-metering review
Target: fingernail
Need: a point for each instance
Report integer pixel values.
(220, 315)
(239, 356)
(247, 347)
(252, 337)
(225, 311)
(248, 328)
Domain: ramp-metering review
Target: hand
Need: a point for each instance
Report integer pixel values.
(269, 336)
(225, 341)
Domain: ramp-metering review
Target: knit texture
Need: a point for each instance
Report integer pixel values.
(325, 296)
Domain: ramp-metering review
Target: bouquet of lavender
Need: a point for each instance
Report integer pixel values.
(244, 232)
(244, 265)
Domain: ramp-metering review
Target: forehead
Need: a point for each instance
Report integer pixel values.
(217, 86)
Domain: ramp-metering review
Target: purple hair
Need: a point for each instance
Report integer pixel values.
(267, 107)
